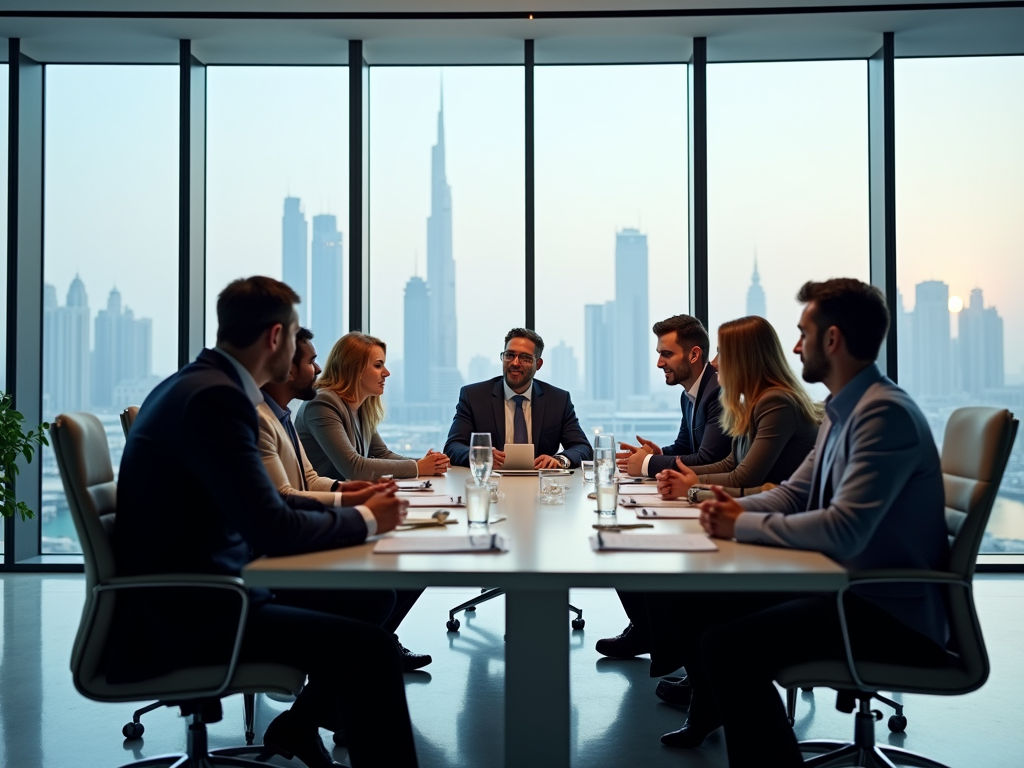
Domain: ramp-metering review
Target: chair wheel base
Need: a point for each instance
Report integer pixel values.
(471, 609)
(250, 737)
(453, 625)
(897, 723)
(578, 623)
(133, 731)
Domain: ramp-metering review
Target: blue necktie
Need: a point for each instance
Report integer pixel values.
(519, 421)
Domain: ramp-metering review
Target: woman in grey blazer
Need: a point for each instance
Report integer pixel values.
(769, 415)
(338, 427)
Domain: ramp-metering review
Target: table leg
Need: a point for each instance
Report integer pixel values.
(537, 679)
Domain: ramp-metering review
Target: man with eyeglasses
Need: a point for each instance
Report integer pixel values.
(515, 408)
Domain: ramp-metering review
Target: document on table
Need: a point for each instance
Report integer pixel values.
(688, 513)
(651, 542)
(629, 489)
(629, 499)
(433, 500)
(483, 542)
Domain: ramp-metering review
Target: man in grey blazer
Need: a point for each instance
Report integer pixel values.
(870, 496)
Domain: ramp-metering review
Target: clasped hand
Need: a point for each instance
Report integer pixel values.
(718, 517)
(673, 484)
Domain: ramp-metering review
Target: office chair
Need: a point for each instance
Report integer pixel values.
(975, 450)
(80, 446)
(489, 593)
(128, 418)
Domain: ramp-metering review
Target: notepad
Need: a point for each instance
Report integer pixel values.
(652, 542)
(483, 542)
(687, 513)
(434, 500)
(637, 490)
(629, 500)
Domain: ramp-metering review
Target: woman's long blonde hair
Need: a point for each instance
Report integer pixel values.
(751, 363)
(344, 367)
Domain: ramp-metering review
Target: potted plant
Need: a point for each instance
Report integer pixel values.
(15, 442)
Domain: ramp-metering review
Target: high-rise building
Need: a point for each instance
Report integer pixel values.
(294, 234)
(756, 304)
(599, 353)
(560, 366)
(327, 316)
(418, 361)
(980, 345)
(66, 350)
(904, 344)
(932, 350)
(483, 367)
(123, 350)
(632, 326)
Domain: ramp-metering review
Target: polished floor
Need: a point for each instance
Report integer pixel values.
(456, 704)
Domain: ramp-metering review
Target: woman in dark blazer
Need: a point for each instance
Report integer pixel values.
(767, 412)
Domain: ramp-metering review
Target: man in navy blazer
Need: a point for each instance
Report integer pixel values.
(194, 497)
(870, 495)
(514, 408)
(683, 358)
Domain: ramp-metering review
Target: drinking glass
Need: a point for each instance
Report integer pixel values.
(551, 489)
(478, 504)
(607, 495)
(606, 485)
(588, 471)
(481, 458)
(493, 485)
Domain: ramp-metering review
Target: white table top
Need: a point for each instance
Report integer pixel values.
(550, 549)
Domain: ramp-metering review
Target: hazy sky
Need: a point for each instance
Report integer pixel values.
(787, 176)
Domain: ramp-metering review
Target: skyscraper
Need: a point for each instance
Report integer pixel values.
(294, 234)
(756, 304)
(632, 327)
(123, 350)
(445, 378)
(904, 344)
(598, 357)
(417, 363)
(66, 350)
(327, 317)
(932, 351)
(560, 366)
(980, 344)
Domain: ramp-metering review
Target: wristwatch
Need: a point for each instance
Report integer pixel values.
(563, 460)
(698, 493)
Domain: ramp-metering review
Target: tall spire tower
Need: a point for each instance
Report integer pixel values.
(756, 304)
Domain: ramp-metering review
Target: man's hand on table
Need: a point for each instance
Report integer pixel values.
(546, 462)
(498, 458)
(387, 509)
(366, 492)
(718, 517)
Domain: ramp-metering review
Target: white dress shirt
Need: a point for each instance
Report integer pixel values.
(256, 396)
(510, 412)
(691, 395)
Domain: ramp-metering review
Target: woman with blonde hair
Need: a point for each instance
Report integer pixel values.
(768, 414)
(338, 427)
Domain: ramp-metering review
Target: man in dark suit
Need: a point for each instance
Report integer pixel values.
(514, 408)
(683, 357)
(193, 497)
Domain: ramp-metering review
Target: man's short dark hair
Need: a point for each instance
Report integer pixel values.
(526, 333)
(301, 335)
(690, 332)
(857, 309)
(247, 307)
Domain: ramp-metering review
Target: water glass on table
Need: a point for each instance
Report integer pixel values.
(478, 503)
(587, 467)
(551, 489)
(606, 485)
(481, 457)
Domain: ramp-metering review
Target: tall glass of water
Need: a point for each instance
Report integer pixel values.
(605, 483)
(481, 458)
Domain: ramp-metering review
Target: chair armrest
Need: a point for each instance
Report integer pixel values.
(188, 581)
(887, 576)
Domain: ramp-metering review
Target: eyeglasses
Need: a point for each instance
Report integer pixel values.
(525, 359)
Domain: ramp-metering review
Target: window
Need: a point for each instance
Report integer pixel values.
(612, 238)
(3, 258)
(277, 188)
(787, 187)
(960, 236)
(110, 272)
(447, 248)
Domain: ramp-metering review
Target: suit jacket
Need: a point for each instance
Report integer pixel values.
(193, 497)
(707, 443)
(481, 408)
(884, 503)
(328, 436)
(284, 467)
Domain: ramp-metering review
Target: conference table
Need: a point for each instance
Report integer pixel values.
(549, 552)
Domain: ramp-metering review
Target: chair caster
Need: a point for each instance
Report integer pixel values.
(453, 625)
(807, 690)
(578, 623)
(471, 609)
(133, 731)
(897, 723)
(250, 737)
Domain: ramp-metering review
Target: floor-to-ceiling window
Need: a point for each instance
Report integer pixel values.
(277, 188)
(447, 247)
(612, 237)
(110, 266)
(959, 245)
(787, 186)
